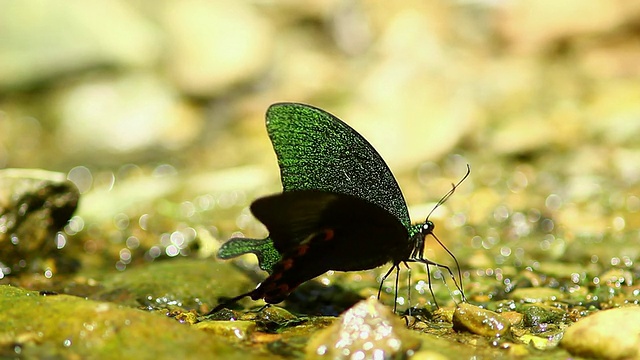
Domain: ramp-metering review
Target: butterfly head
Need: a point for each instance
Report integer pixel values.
(427, 228)
(421, 231)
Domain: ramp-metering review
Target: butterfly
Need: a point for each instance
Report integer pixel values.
(340, 209)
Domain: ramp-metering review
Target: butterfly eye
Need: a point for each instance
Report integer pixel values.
(427, 227)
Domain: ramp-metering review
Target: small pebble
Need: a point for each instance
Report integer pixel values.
(513, 317)
(479, 321)
(536, 314)
(239, 330)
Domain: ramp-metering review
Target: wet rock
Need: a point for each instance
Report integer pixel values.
(548, 341)
(240, 330)
(34, 206)
(536, 315)
(479, 321)
(368, 330)
(444, 314)
(513, 317)
(64, 326)
(608, 334)
(536, 294)
(185, 283)
(272, 318)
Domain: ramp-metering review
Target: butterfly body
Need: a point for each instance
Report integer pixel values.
(341, 208)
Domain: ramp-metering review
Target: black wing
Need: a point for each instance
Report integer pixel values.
(340, 231)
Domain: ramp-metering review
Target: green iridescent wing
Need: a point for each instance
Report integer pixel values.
(317, 151)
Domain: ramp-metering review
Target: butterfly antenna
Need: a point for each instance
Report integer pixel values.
(450, 192)
(419, 255)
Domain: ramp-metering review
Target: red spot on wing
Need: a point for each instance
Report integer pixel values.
(284, 280)
(302, 249)
(286, 264)
(329, 234)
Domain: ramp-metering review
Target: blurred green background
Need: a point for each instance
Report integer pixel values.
(156, 109)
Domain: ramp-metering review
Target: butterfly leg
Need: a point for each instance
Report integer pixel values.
(408, 287)
(427, 263)
(418, 256)
(230, 302)
(457, 284)
(395, 295)
(395, 267)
